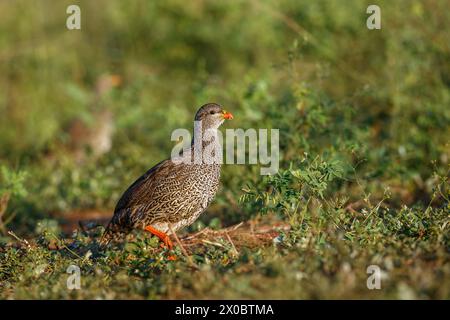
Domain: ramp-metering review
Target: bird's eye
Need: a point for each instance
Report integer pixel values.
(211, 112)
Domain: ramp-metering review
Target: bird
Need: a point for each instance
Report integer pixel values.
(92, 135)
(176, 191)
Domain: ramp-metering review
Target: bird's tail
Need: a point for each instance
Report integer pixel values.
(107, 237)
(112, 233)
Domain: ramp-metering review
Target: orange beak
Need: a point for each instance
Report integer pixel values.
(227, 115)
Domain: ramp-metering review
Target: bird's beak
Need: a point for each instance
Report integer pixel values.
(227, 115)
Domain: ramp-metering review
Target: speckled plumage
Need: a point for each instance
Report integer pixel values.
(172, 192)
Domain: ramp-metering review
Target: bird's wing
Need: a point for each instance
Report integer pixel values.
(141, 191)
(137, 196)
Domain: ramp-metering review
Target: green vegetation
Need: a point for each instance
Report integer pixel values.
(364, 123)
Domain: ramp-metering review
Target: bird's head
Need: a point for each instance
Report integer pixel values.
(212, 115)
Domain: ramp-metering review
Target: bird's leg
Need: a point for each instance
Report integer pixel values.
(181, 246)
(161, 235)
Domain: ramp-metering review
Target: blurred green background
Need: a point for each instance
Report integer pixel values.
(363, 114)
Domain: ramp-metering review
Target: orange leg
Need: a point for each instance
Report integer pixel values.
(161, 235)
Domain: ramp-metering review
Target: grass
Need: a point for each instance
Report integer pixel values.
(364, 149)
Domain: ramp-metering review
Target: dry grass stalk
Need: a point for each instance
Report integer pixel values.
(240, 235)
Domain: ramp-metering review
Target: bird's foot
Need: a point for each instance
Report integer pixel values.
(167, 243)
(161, 235)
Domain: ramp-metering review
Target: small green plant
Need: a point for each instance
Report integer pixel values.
(11, 185)
(290, 192)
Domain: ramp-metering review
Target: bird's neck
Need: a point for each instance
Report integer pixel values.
(206, 146)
